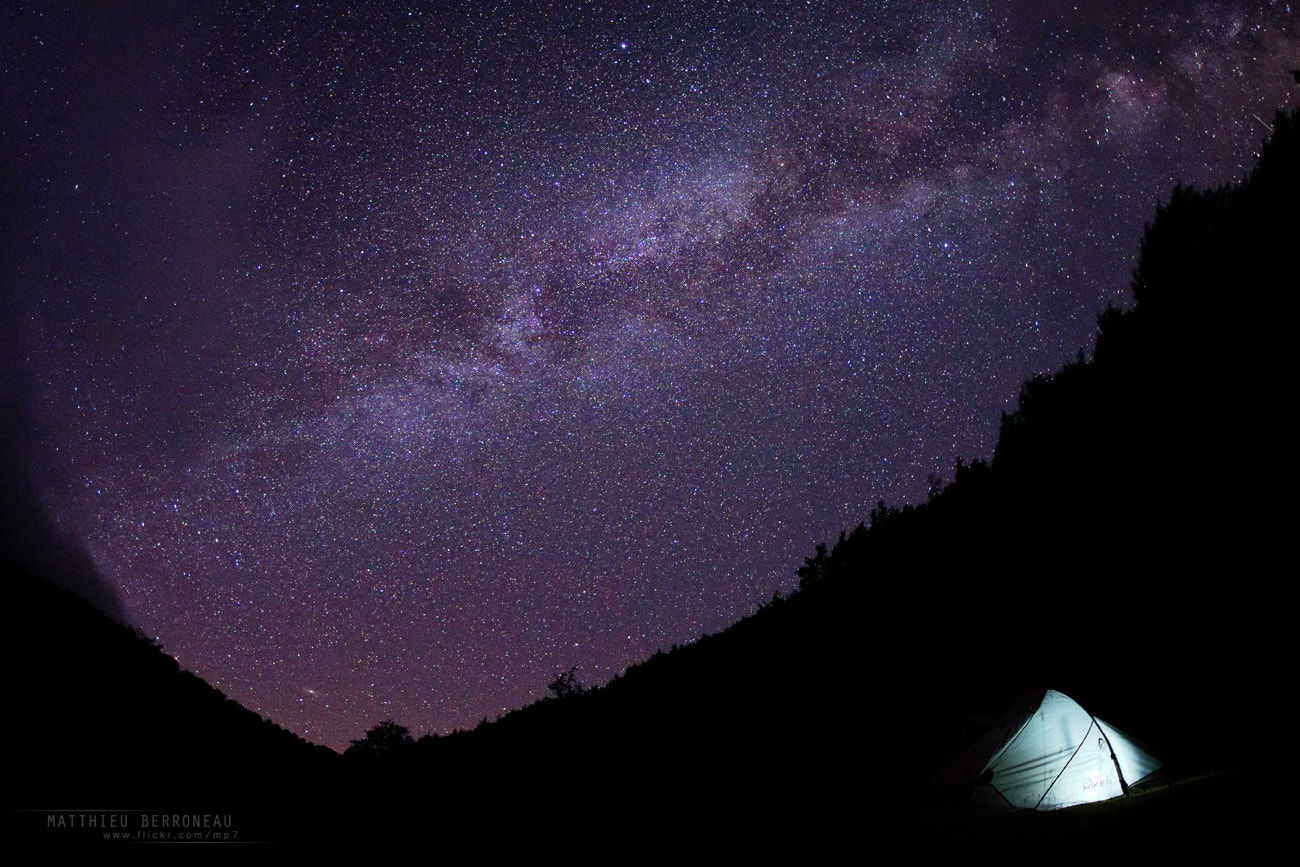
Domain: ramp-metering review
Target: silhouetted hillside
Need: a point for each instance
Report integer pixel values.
(101, 720)
(1121, 545)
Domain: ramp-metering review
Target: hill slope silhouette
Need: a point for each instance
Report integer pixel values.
(1121, 546)
(101, 721)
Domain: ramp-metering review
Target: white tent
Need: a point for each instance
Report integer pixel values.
(1052, 753)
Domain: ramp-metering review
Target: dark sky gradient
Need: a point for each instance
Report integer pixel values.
(389, 362)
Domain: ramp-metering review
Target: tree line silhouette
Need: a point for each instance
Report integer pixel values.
(1121, 544)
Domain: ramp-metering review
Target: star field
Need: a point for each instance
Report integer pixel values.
(389, 360)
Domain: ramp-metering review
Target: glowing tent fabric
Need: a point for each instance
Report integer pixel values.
(1058, 755)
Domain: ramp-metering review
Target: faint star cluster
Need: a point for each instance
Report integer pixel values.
(391, 359)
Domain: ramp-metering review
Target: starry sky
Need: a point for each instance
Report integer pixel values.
(385, 360)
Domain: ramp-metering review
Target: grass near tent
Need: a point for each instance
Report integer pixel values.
(1242, 810)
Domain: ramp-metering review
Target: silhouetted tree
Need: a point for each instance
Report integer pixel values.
(382, 739)
(566, 685)
(813, 569)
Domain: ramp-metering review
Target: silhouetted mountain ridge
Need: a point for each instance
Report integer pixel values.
(1119, 546)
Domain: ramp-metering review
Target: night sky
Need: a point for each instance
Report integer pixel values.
(386, 360)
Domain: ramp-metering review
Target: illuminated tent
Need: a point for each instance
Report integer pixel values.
(1051, 753)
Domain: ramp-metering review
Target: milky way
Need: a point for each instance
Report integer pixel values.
(389, 361)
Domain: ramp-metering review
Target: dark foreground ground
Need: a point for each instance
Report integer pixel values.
(1244, 815)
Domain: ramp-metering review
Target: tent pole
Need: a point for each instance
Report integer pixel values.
(1048, 790)
(1123, 786)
